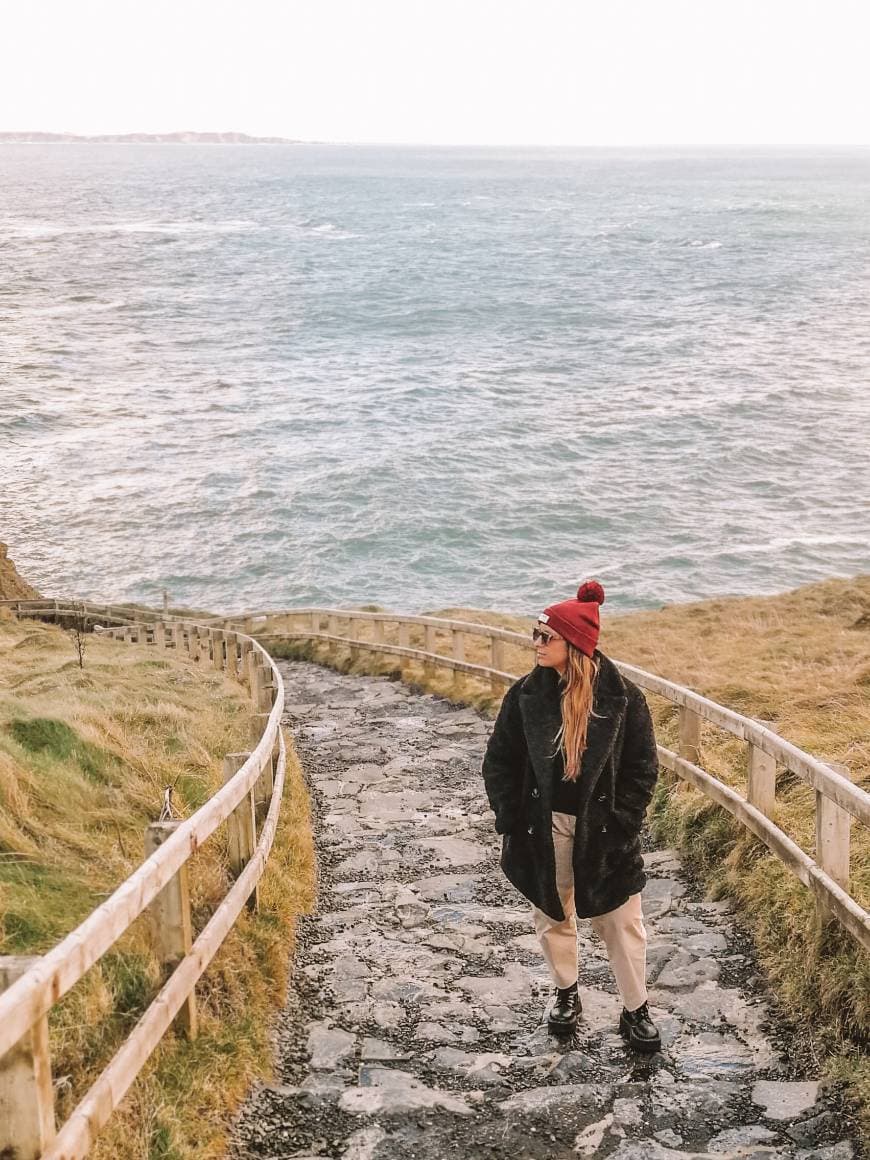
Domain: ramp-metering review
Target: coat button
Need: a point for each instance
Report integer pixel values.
(604, 829)
(535, 792)
(602, 797)
(530, 830)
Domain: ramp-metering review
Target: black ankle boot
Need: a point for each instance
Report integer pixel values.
(566, 1009)
(640, 1031)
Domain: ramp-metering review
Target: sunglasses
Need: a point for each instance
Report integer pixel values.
(539, 634)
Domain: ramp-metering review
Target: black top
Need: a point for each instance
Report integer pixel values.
(566, 794)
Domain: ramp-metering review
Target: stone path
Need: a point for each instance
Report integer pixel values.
(415, 1025)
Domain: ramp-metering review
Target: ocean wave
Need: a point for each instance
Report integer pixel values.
(48, 229)
(778, 544)
(327, 229)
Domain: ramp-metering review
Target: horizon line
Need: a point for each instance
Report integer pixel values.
(434, 144)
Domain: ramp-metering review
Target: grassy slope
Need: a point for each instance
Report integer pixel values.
(801, 661)
(84, 757)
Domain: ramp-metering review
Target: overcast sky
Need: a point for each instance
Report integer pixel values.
(548, 72)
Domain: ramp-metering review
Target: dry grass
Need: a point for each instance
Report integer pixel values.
(84, 757)
(800, 661)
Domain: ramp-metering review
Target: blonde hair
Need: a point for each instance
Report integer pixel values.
(577, 694)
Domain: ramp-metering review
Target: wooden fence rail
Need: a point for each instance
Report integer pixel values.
(838, 800)
(30, 988)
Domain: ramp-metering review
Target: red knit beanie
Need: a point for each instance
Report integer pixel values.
(577, 620)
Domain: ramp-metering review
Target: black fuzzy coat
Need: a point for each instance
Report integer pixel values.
(617, 775)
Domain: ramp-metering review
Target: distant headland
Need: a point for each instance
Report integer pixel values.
(183, 138)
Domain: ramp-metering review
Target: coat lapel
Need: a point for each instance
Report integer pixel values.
(540, 708)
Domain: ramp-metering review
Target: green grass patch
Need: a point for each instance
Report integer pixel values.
(60, 742)
(38, 903)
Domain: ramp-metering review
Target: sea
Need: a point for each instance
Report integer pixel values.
(429, 378)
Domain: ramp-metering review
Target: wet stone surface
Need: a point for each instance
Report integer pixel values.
(416, 1019)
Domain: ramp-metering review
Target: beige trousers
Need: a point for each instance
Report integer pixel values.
(621, 930)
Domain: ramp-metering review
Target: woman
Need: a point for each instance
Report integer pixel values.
(569, 771)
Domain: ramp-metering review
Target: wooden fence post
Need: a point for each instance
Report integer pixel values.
(267, 693)
(217, 649)
(458, 638)
(353, 651)
(178, 637)
(761, 778)
(231, 653)
(690, 735)
(241, 826)
(404, 642)
(273, 691)
(170, 921)
(833, 839)
(496, 661)
(265, 783)
(245, 650)
(332, 629)
(255, 677)
(265, 688)
(26, 1094)
(254, 681)
(429, 647)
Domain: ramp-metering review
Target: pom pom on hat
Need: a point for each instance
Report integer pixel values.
(590, 591)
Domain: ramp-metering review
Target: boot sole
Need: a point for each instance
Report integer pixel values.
(561, 1027)
(649, 1046)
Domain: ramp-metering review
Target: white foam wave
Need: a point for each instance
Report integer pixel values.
(322, 230)
(778, 544)
(44, 229)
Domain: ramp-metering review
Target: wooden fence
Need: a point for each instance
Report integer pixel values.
(248, 802)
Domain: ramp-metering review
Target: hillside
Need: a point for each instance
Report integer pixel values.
(12, 586)
(85, 754)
